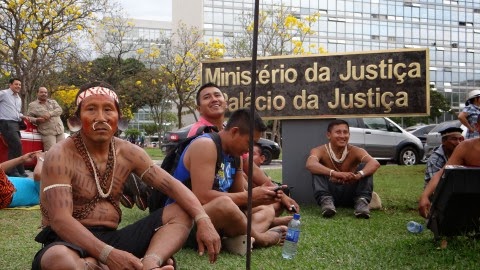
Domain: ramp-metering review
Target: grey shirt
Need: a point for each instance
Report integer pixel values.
(10, 105)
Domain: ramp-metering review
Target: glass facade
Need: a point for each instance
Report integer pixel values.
(449, 28)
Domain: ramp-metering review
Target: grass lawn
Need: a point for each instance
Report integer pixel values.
(154, 152)
(343, 242)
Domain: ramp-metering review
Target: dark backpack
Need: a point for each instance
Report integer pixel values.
(157, 199)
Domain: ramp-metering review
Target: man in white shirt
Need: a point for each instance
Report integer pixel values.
(10, 115)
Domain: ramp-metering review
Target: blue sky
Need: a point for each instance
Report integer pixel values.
(148, 9)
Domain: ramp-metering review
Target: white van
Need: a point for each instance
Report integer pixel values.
(385, 140)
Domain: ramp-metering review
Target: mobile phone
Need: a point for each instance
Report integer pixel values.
(283, 188)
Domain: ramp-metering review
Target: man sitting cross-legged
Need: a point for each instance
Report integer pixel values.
(223, 194)
(83, 177)
(336, 178)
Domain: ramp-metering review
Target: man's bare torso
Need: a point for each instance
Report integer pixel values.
(350, 163)
(71, 165)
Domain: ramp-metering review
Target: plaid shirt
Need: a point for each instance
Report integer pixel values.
(435, 162)
(473, 112)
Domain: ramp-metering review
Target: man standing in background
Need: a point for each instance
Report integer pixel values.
(45, 113)
(10, 116)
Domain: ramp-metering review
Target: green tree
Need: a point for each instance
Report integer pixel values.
(36, 36)
(149, 90)
(438, 106)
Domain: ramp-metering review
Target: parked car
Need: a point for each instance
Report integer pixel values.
(421, 131)
(31, 141)
(434, 139)
(385, 140)
(270, 149)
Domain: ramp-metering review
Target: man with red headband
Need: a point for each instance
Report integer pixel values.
(82, 181)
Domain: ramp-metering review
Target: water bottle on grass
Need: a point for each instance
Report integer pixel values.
(414, 227)
(291, 240)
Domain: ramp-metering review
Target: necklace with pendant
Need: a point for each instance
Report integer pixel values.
(111, 162)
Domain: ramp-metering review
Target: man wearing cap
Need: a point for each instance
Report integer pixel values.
(82, 180)
(451, 137)
(465, 154)
(470, 113)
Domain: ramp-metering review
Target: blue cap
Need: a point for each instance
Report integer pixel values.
(296, 216)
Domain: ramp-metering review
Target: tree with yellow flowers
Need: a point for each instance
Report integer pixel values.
(181, 68)
(281, 31)
(37, 35)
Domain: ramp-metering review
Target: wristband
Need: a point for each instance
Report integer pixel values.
(104, 254)
(361, 173)
(331, 172)
(200, 216)
(153, 256)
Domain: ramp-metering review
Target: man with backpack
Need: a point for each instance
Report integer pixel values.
(221, 190)
(211, 105)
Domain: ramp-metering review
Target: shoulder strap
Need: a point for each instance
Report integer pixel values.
(218, 142)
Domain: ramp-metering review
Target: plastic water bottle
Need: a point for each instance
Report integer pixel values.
(291, 240)
(414, 227)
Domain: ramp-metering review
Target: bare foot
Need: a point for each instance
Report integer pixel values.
(274, 236)
(169, 265)
(281, 221)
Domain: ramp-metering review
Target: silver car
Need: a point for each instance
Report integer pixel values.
(385, 140)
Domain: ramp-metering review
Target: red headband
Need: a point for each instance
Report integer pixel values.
(97, 90)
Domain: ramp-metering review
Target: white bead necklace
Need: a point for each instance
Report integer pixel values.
(97, 182)
(332, 154)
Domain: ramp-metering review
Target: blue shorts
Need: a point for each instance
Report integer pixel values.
(134, 238)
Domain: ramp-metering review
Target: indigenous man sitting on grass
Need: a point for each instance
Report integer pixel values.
(258, 158)
(222, 193)
(451, 137)
(336, 180)
(466, 154)
(82, 180)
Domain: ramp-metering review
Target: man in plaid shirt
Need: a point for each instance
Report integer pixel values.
(451, 137)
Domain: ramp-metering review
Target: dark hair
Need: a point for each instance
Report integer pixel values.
(241, 118)
(90, 85)
(257, 144)
(13, 79)
(209, 84)
(337, 122)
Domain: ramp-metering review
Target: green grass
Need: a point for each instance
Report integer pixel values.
(155, 153)
(344, 242)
